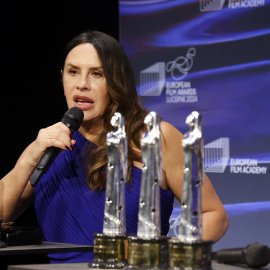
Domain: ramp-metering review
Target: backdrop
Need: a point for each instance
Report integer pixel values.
(212, 56)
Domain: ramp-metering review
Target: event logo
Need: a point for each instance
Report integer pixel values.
(210, 5)
(247, 166)
(217, 155)
(217, 158)
(233, 4)
(153, 79)
(181, 65)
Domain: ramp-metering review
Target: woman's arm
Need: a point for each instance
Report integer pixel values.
(215, 219)
(17, 194)
(16, 191)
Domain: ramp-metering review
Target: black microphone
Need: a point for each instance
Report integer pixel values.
(254, 255)
(72, 119)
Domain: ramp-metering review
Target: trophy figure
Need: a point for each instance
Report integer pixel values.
(110, 247)
(189, 251)
(148, 249)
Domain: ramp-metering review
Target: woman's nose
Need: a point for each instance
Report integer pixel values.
(83, 83)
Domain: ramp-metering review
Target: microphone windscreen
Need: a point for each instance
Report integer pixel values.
(257, 255)
(73, 118)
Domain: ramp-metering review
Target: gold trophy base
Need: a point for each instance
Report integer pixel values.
(195, 255)
(147, 253)
(110, 252)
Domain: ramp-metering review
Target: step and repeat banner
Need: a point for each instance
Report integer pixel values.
(211, 56)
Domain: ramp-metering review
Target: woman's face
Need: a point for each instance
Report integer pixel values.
(84, 82)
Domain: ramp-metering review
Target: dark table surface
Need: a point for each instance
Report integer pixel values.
(36, 254)
(84, 266)
(13, 252)
(45, 247)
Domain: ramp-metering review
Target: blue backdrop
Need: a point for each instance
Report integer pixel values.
(212, 57)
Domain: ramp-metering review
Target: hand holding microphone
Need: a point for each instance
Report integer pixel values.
(72, 119)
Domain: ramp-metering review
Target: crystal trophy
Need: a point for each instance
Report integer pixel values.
(110, 247)
(148, 250)
(189, 251)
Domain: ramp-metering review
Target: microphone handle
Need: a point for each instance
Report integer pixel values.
(234, 255)
(44, 163)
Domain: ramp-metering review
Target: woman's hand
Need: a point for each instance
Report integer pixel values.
(57, 135)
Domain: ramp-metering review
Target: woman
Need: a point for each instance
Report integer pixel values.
(69, 198)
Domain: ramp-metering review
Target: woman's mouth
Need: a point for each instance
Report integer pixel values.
(83, 103)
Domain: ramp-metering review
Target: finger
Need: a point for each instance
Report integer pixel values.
(57, 135)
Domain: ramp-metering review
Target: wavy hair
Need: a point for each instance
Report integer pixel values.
(123, 99)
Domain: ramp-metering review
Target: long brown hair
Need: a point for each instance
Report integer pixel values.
(123, 99)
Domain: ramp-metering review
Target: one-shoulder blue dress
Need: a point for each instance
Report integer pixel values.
(68, 211)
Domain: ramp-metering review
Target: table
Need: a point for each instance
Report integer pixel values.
(84, 266)
(36, 254)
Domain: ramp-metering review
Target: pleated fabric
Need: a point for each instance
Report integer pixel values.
(68, 210)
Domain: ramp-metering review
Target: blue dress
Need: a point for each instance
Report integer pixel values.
(68, 210)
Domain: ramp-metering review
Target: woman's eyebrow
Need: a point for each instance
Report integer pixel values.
(91, 68)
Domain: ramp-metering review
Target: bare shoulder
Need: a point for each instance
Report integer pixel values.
(172, 158)
(171, 134)
(171, 145)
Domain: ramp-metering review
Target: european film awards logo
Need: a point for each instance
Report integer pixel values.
(217, 155)
(210, 5)
(153, 79)
(217, 158)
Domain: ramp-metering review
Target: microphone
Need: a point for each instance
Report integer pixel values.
(254, 255)
(72, 119)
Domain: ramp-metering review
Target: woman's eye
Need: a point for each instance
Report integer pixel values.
(97, 74)
(73, 72)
